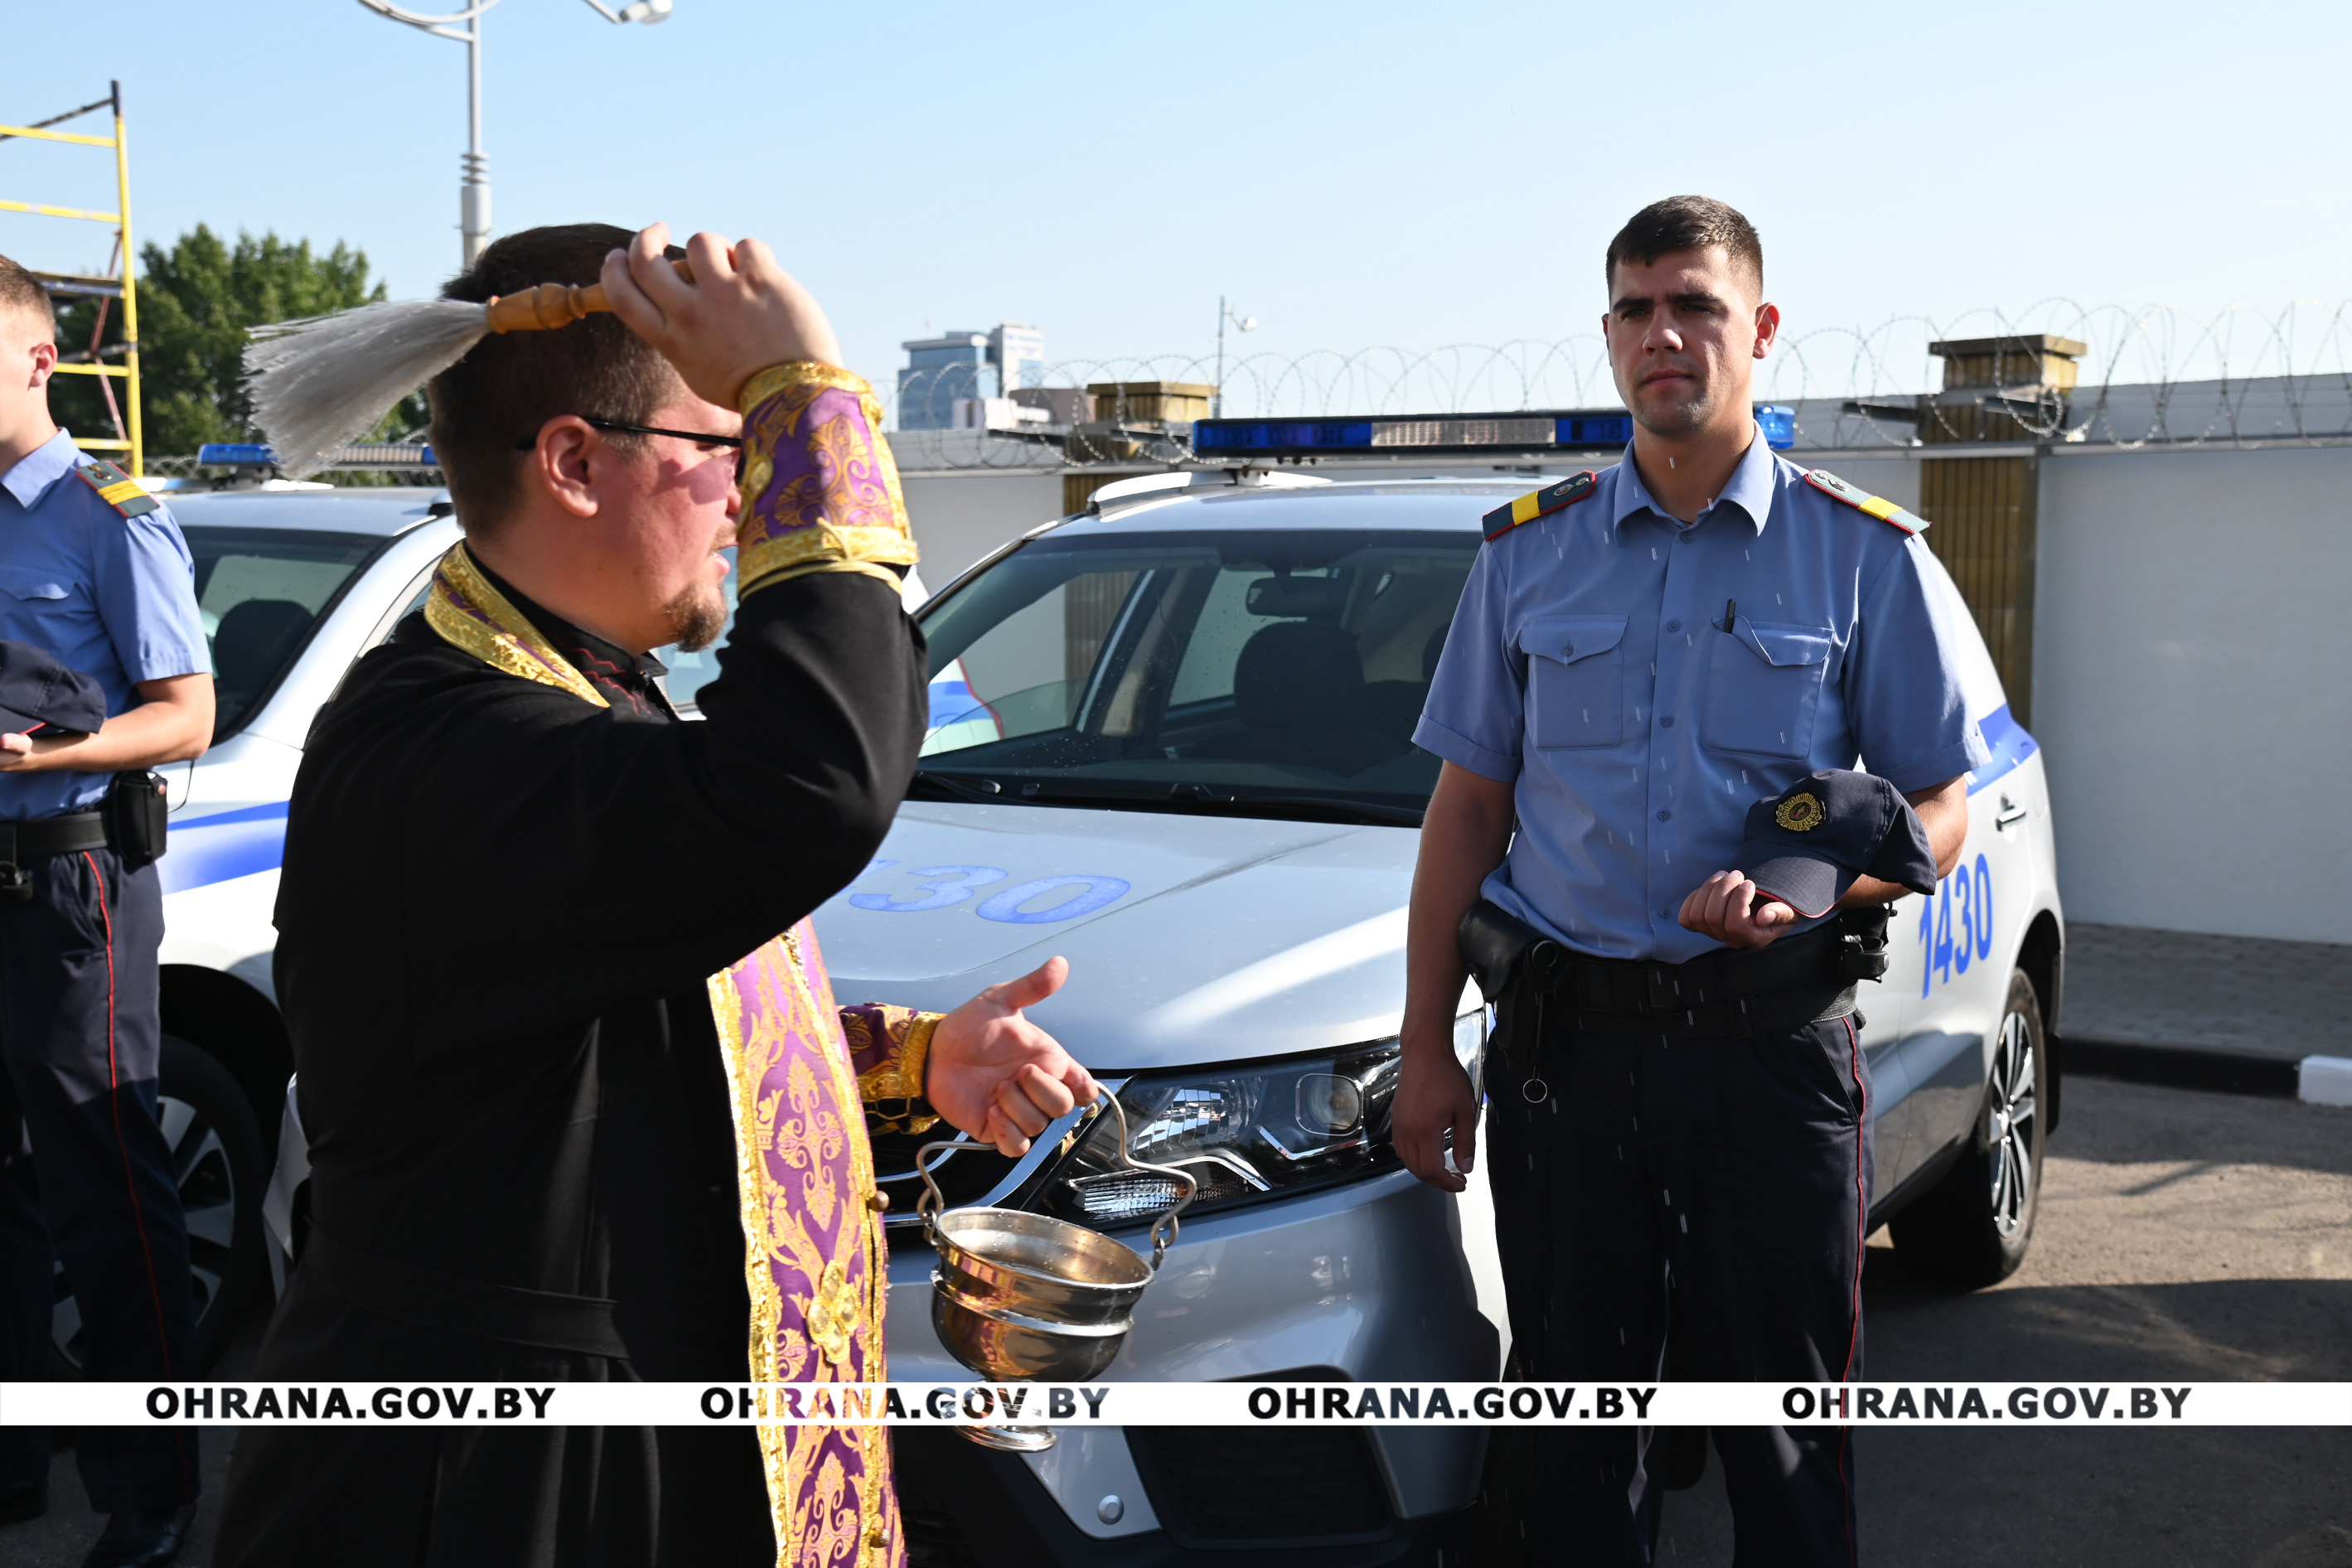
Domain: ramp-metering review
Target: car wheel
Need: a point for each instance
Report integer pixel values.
(216, 1152)
(1974, 1227)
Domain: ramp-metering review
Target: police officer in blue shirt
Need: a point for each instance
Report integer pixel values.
(1679, 1157)
(92, 569)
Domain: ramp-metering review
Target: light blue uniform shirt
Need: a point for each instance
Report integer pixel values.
(1588, 665)
(112, 596)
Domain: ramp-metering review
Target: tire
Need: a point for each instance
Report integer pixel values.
(1974, 1227)
(215, 1148)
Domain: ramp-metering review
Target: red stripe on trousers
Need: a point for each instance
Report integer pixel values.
(115, 1095)
(1861, 1235)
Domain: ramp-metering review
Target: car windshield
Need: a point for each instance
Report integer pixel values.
(1257, 672)
(260, 590)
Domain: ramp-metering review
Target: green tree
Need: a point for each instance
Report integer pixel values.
(196, 303)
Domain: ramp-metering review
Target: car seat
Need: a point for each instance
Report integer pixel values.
(1298, 688)
(254, 642)
(1395, 706)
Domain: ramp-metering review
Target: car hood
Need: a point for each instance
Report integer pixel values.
(1191, 938)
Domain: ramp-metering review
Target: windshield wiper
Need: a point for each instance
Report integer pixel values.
(980, 792)
(1201, 799)
(1369, 810)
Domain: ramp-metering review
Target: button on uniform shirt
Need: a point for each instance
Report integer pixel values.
(1589, 666)
(112, 596)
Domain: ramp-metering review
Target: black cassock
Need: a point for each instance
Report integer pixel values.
(499, 910)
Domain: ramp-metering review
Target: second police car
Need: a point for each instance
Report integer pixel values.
(1169, 740)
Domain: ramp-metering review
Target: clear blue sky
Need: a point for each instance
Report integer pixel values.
(1351, 174)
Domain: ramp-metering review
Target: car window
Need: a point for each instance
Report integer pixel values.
(1271, 662)
(260, 592)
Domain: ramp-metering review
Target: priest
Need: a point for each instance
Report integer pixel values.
(580, 1101)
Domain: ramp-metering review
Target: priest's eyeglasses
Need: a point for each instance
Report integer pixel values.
(700, 438)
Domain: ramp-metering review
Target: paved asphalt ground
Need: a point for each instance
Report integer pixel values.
(2183, 1236)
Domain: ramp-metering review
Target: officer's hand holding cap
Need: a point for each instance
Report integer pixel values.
(36, 688)
(1807, 843)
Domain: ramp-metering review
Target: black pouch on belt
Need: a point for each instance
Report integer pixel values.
(1513, 964)
(138, 811)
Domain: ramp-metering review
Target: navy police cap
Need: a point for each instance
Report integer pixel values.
(1806, 845)
(36, 688)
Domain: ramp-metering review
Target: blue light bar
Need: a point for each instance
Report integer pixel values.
(235, 455)
(1521, 430)
(1595, 430)
(1528, 430)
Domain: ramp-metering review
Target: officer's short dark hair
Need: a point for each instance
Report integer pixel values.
(1687, 223)
(511, 383)
(21, 294)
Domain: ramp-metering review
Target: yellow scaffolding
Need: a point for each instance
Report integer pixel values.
(121, 284)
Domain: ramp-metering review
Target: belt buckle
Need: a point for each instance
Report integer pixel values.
(16, 883)
(1661, 989)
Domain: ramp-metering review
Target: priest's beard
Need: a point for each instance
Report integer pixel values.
(696, 617)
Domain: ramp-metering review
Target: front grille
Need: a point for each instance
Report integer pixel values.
(1229, 1487)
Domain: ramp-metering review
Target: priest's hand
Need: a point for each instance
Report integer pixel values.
(997, 1076)
(741, 313)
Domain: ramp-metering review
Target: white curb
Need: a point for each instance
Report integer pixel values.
(2325, 1080)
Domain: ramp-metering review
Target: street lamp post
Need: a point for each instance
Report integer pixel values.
(1246, 323)
(474, 188)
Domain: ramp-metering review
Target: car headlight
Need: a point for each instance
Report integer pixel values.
(1244, 1132)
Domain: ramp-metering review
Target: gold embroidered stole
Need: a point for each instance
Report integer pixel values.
(814, 1258)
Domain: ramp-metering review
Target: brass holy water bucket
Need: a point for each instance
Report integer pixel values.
(1021, 1295)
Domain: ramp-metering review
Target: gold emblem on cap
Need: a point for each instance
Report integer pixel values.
(1800, 813)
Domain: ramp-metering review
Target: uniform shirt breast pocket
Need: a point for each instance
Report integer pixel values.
(1576, 680)
(32, 585)
(1764, 688)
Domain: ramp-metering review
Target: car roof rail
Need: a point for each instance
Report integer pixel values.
(1255, 475)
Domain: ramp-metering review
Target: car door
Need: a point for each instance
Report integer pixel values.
(1952, 952)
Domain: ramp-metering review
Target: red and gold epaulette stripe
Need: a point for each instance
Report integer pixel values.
(117, 489)
(1863, 501)
(1538, 503)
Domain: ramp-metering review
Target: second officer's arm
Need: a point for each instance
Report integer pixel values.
(1462, 839)
(173, 723)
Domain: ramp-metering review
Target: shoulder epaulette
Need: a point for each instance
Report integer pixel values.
(1538, 503)
(1863, 501)
(117, 489)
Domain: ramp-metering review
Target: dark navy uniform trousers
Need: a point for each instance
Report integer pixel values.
(1706, 1191)
(85, 1175)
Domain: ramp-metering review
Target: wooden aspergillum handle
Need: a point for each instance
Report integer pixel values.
(554, 305)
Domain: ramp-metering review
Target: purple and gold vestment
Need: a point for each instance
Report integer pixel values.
(820, 494)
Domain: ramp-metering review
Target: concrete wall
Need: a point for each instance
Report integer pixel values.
(960, 517)
(2193, 688)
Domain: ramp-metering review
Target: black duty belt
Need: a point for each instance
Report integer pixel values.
(1540, 985)
(1794, 981)
(545, 1319)
(23, 841)
(20, 841)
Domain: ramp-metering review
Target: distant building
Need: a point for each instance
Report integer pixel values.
(956, 367)
(1019, 355)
